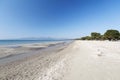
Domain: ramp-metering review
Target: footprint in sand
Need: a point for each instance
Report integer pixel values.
(100, 53)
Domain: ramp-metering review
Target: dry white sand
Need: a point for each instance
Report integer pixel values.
(95, 60)
(80, 60)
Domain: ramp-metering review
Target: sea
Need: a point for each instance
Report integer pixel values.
(15, 42)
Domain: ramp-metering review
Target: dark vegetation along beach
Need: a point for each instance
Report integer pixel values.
(111, 35)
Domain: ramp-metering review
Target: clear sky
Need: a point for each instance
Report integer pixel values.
(57, 18)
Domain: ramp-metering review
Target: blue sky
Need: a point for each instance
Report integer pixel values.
(57, 18)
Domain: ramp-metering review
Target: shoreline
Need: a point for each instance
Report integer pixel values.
(77, 60)
(40, 64)
(17, 52)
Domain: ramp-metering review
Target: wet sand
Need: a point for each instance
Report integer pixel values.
(33, 63)
(78, 60)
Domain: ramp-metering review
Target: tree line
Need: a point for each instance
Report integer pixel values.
(108, 35)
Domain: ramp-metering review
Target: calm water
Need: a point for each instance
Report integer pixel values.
(13, 42)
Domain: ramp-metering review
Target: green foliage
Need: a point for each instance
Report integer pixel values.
(86, 38)
(108, 35)
(112, 35)
(103, 37)
(95, 36)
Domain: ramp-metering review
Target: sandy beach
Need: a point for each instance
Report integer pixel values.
(33, 61)
(77, 60)
(95, 60)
